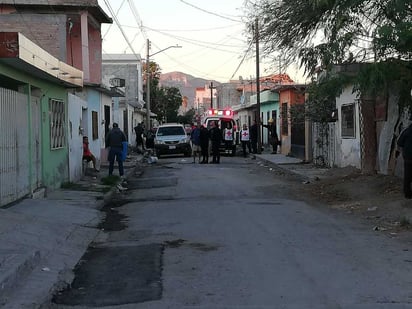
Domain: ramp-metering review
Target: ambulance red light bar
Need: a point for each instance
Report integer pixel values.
(220, 112)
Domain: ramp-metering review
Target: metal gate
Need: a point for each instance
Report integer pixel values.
(297, 139)
(324, 143)
(14, 146)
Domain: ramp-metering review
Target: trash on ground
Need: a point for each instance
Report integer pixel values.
(372, 208)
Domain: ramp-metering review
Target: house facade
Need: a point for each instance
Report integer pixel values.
(33, 117)
(71, 32)
(124, 72)
(292, 119)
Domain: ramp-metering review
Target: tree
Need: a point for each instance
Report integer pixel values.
(324, 34)
(188, 117)
(164, 101)
(168, 101)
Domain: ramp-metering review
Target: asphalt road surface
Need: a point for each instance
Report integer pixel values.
(233, 235)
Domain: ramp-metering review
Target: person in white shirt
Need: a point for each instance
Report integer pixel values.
(228, 137)
(245, 139)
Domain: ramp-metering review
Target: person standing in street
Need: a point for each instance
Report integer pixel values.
(195, 139)
(215, 135)
(273, 135)
(139, 137)
(245, 139)
(253, 136)
(114, 140)
(228, 137)
(204, 144)
(405, 144)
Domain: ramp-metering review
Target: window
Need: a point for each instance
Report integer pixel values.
(284, 118)
(348, 120)
(57, 124)
(165, 131)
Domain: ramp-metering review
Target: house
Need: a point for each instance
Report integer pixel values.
(71, 32)
(292, 119)
(33, 117)
(124, 71)
(363, 130)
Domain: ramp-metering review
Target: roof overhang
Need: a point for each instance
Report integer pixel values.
(91, 6)
(19, 52)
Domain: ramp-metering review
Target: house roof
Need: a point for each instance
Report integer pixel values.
(58, 6)
(299, 87)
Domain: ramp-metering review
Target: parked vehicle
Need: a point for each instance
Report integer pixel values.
(223, 117)
(171, 138)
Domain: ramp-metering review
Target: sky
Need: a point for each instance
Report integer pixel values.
(211, 35)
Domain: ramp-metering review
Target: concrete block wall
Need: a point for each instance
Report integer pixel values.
(47, 31)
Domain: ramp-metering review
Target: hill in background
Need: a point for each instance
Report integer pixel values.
(186, 83)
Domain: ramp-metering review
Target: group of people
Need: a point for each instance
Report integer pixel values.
(249, 138)
(200, 138)
(115, 142)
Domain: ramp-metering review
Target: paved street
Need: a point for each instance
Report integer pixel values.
(43, 239)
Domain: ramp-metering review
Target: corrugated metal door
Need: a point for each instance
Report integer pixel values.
(14, 146)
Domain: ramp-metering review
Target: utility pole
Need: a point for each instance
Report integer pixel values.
(259, 150)
(148, 75)
(148, 87)
(211, 94)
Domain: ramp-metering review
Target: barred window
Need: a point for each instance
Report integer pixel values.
(57, 124)
(348, 120)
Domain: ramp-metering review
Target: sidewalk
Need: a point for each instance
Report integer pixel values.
(41, 240)
(295, 165)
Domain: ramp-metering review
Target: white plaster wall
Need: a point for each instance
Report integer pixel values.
(348, 150)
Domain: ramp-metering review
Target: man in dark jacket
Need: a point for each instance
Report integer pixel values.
(405, 143)
(215, 135)
(139, 137)
(114, 140)
(253, 136)
(273, 135)
(204, 144)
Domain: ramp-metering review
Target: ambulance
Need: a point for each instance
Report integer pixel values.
(224, 118)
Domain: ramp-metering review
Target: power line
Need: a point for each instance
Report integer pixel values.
(209, 12)
(243, 59)
(110, 26)
(120, 27)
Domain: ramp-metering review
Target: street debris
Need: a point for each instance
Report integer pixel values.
(121, 188)
(379, 228)
(372, 208)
